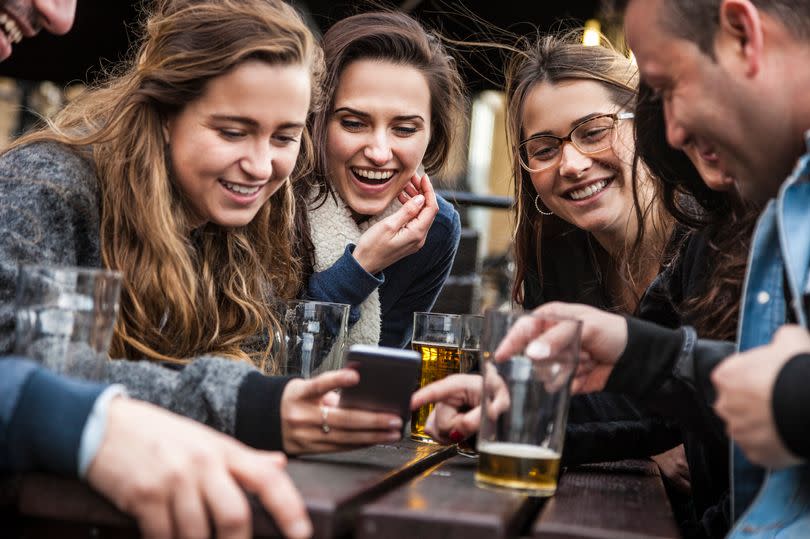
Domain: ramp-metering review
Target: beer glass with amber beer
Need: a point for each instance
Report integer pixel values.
(437, 337)
(525, 401)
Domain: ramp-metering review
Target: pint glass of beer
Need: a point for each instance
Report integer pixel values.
(525, 402)
(438, 338)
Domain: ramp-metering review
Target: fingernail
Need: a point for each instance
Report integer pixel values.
(395, 423)
(302, 529)
(419, 199)
(456, 437)
(538, 350)
(394, 436)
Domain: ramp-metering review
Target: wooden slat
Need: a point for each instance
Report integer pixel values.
(445, 503)
(57, 498)
(334, 486)
(623, 500)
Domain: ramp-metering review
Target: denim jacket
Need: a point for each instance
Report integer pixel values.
(775, 503)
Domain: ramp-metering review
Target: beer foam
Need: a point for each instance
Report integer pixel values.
(521, 451)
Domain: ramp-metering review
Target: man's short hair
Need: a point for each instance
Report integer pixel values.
(698, 20)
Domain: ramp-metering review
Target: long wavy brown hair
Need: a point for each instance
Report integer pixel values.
(724, 218)
(210, 290)
(554, 58)
(395, 37)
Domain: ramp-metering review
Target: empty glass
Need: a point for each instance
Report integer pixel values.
(314, 337)
(65, 315)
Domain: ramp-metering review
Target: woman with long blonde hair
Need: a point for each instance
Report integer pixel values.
(177, 172)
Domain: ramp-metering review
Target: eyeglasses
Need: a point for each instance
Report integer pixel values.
(541, 152)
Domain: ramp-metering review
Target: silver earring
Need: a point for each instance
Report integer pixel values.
(537, 205)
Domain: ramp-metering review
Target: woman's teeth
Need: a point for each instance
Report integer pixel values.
(241, 189)
(10, 27)
(588, 191)
(376, 175)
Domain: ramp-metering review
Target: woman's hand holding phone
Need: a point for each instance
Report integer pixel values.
(312, 422)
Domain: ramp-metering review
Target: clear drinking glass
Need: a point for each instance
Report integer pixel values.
(525, 402)
(66, 315)
(314, 337)
(471, 327)
(437, 337)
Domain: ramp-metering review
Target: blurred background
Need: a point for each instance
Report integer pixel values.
(47, 70)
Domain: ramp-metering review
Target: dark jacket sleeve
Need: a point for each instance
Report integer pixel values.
(345, 281)
(42, 417)
(414, 283)
(668, 370)
(604, 427)
(791, 400)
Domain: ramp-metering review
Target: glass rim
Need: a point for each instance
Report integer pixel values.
(296, 302)
(451, 315)
(79, 270)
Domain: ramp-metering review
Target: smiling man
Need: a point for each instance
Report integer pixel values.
(688, 50)
(20, 19)
(733, 77)
(758, 126)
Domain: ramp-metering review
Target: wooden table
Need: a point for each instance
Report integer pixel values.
(405, 490)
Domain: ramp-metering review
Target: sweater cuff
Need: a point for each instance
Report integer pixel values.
(345, 281)
(791, 400)
(650, 357)
(258, 411)
(47, 426)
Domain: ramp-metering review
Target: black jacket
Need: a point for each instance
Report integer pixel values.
(602, 426)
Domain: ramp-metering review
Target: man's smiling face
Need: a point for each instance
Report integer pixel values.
(20, 19)
(715, 105)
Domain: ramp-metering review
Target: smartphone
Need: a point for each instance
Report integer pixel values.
(388, 378)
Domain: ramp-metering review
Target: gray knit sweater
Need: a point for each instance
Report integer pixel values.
(49, 214)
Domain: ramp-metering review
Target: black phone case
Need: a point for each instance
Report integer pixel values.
(388, 378)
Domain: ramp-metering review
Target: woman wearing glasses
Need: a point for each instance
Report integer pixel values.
(588, 229)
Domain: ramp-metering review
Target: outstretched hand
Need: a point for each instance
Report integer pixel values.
(179, 478)
(604, 338)
(457, 398)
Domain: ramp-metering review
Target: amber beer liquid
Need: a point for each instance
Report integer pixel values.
(470, 360)
(523, 467)
(437, 362)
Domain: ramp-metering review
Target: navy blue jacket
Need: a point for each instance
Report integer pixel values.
(409, 285)
(42, 417)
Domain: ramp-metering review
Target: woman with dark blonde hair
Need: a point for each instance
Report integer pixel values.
(177, 172)
(588, 228)
(378, 237)
(579, 193)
